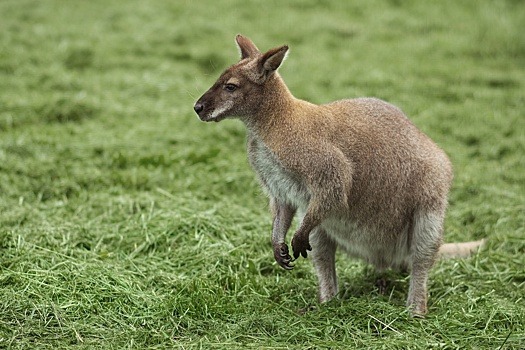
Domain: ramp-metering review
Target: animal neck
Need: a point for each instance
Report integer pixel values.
(276, 106)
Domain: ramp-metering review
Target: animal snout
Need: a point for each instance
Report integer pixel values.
(198, 107)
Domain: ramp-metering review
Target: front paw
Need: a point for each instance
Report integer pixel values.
(282, 256)
(300, 244)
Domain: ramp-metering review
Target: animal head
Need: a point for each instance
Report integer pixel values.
(242, 88)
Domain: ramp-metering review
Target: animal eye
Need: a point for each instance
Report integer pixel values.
(230, 87)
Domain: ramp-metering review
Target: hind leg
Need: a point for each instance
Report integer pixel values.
(426, 240)
(323, 258)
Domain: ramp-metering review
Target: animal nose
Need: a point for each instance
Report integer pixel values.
(198, 107)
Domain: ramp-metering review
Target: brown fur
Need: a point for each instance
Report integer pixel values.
(361, 176)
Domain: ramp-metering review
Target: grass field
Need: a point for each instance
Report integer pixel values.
(125, 223)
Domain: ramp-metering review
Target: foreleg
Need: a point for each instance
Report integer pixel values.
(329, 184)
(283, 216)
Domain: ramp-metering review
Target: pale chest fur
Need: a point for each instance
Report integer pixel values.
(279, 182)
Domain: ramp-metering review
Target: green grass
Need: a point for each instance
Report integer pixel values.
(127, 223)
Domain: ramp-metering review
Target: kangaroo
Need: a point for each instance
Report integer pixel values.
(357, 172)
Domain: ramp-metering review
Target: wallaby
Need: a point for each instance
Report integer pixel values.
(359, 174)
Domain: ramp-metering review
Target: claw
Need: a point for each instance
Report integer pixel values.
(282, 256)
(288, 267)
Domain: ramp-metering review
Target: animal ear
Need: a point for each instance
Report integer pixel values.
(271, 60)
(246, 46)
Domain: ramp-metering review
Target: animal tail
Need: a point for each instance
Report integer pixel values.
(460, 250)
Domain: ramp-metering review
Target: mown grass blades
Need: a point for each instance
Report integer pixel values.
(66, 109)
(127, 223)
(79, 58)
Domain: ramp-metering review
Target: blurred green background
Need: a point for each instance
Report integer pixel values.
(127, 223)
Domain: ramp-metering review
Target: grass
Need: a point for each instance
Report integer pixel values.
(126, 223)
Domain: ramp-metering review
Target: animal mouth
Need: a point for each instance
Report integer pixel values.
(209, 119)
(218, 114)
